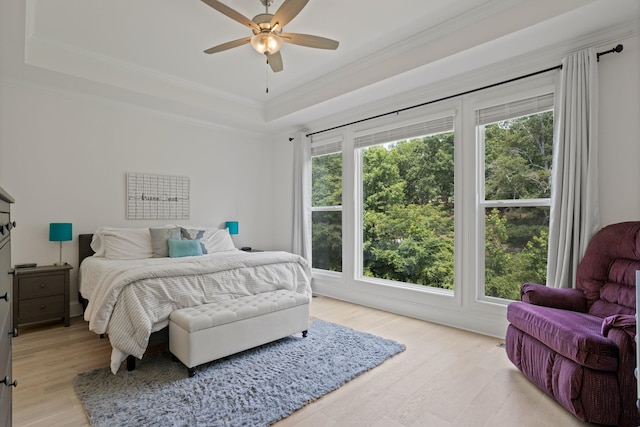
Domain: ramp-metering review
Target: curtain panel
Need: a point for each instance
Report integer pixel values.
(574, 195)
(302, 196)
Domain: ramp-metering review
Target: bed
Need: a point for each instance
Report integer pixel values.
(130, 280)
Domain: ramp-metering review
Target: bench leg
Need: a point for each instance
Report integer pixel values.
(304, 334)
(191, 371)
(131, 363)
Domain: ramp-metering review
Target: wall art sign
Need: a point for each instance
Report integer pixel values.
(157, 196)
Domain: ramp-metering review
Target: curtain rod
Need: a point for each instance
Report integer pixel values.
(616, 49)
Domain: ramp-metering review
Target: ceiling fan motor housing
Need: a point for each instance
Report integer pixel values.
(264, 22)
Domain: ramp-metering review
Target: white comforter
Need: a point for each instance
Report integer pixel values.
(129, 299)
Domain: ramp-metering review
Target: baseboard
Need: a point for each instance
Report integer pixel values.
(460, 317)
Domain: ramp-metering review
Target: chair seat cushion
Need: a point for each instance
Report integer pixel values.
(576, 336)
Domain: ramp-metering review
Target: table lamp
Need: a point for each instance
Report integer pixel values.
(60, 232)
(232, 226)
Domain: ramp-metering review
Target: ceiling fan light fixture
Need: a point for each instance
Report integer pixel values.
(266, 43)
(267, 31)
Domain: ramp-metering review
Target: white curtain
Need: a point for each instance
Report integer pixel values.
(302, 196)
(575, 213)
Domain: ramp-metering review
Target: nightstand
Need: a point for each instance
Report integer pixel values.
(41, 293)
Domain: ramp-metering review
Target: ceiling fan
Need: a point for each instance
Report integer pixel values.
(267, 31)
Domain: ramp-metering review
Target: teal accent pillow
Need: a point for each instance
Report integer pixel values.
(180, 248)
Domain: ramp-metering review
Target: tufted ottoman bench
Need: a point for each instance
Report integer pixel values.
(210, 331)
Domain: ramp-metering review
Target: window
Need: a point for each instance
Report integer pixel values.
(326, 205)
(446, 204)
(407, 203)
(516, 141)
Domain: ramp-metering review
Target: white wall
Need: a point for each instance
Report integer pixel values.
(64, 158)
(282, 158)
(619, 166)
(619, 134)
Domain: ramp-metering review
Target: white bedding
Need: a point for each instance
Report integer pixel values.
(129, 299)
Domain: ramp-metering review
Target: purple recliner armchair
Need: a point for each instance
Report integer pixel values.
(577, 345)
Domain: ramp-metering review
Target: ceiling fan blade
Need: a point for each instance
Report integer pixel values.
(228, 45)
(275, 62)
(287, 11)
(309, 41)
(233, 14)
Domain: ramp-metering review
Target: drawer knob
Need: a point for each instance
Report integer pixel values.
(43, 285)
(6, 382)
(5, 296)
(14, 333)
(42, 306)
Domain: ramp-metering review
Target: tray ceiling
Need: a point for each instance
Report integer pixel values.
(154, 48)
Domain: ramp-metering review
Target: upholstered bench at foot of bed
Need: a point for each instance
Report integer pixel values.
(208, 332)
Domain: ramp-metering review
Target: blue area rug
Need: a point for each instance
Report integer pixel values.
(254, 388)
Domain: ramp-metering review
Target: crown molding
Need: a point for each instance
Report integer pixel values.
(139, 103)
(42, 52)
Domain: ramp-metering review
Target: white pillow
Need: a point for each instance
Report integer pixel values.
(122, 243)
(218, 240)
(97, 243)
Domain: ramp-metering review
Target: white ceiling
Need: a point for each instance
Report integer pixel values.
(153, 49)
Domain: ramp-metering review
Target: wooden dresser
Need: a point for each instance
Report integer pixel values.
(7, 331)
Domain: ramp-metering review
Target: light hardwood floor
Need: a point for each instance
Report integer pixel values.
(446, 377)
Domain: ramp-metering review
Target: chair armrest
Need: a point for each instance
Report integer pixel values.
(562, 298)
(624, 340)
(624, 322)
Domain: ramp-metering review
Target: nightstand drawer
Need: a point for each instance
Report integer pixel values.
(41, 307)
(41, 286)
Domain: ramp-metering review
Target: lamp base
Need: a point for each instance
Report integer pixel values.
(60, 264)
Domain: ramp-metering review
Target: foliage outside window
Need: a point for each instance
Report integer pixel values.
(408, 208)
(517, 193)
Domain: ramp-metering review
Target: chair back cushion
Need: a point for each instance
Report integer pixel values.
(607, 272)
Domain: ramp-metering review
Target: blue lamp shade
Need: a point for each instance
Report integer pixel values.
(60, 232)
(232, 226)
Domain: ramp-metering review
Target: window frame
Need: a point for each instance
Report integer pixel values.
(534, 88)
(469, 242)
(325, 145)
(417, 118)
